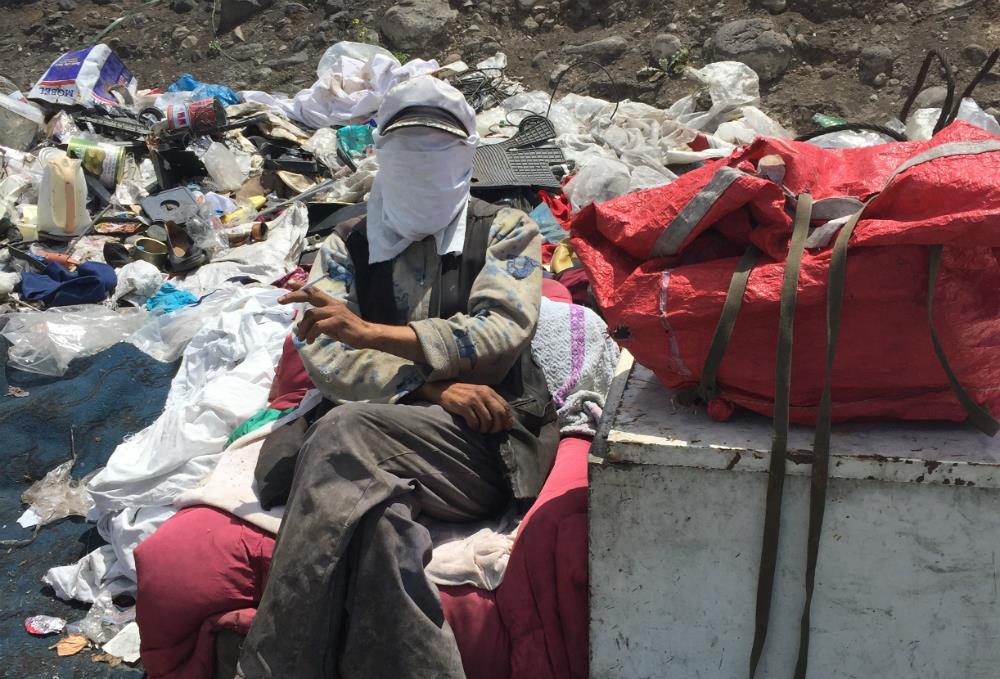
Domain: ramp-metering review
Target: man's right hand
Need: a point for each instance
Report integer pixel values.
(481, 407)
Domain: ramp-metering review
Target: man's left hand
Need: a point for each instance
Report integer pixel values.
(330, 317)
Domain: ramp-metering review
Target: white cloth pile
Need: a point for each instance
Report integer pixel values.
(224, 378)
(352, 79)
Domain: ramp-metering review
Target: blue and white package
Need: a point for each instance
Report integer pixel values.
(84, 77)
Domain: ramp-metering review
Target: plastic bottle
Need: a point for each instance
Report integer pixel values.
(62, 198)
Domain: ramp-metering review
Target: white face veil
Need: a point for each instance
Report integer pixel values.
(424, 174)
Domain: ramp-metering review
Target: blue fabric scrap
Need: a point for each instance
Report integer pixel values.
(168, 299)
(92, 282)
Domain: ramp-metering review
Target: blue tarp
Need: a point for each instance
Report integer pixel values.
(105, 397)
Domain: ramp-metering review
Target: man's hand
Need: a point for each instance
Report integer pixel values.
(483, 409)
(329, 317)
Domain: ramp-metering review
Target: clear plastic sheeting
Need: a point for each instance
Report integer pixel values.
(45, 342)
(598, 180)
(731, 85)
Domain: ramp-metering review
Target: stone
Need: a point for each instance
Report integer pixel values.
(539, 59)
(292, 60)
(526, 5)
(452, 58)
(293, 8)
(941, 6)
(880, 80)
(530, 25)
(931, 97)
(67, 5)
(182, 6)
(823, 10)
(975, 54)
(897, 12)
(473, 28)
(416, 24)
(827, 73)
(756, 43)
(604, 51)
(557, 73)
(300, 43)
(873, 61)
(102, 2)
(540, 17)
(664, 46)
(180, 33)
(774, 6)
(190, 42)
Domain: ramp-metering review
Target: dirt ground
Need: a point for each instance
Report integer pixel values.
(281, 47)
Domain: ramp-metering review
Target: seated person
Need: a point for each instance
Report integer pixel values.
(418, 326)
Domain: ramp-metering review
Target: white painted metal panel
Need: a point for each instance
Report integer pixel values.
(907, 582)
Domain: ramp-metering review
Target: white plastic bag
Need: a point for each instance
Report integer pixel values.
(598, 180)
(84, 77)
(45, 342)
(331, 59)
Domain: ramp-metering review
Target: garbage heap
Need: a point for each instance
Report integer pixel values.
(173, 220)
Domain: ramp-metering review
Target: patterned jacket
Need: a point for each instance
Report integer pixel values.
(479, 346)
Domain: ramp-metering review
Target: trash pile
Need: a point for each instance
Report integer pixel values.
(174, 220)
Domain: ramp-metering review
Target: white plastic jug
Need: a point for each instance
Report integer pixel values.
(62, 198)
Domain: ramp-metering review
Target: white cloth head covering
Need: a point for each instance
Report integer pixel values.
(422, 185)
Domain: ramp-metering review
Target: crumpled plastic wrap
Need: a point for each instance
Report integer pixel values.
(103, 621)
(56, 496)
(45, 342)
(137, 282)
(323, 145)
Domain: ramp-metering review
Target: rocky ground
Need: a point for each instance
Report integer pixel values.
(851, 58)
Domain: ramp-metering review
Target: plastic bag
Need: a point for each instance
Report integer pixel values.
(137, 282)
(598, 180)
(200, 90)
(45, 342)
(84, 77)
(103, 621)
(323, 145)
(223, 167)
(352, 50)
(731, 85)
(920, 124)
(356, 139)
(56, 496)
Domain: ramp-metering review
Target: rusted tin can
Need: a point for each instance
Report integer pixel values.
(196, 115)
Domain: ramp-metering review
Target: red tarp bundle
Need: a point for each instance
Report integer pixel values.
(660, 262)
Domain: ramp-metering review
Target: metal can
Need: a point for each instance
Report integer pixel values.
(104, 161)
(196, 115)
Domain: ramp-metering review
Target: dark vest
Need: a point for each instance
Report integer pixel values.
(529, 448)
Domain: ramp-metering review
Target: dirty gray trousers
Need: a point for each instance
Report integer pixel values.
(347, 597)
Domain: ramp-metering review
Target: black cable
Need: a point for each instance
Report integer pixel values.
(614, 83)
(949, 79)
(880, 129)
(985, 69)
